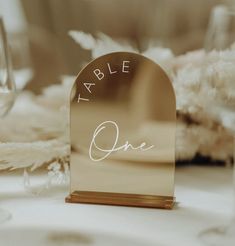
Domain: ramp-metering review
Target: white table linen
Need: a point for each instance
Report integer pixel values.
(204, 196)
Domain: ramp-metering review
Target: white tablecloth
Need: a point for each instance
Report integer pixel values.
(204, 196)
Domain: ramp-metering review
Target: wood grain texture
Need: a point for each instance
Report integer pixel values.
(108, 198)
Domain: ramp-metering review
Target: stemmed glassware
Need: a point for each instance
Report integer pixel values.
(220, 39)
(21, 59)
(7, 84)
(7, 87)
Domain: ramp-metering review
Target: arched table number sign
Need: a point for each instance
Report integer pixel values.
(123, 120)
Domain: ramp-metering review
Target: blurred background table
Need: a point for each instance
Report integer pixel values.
(204, 199)
(179, 25)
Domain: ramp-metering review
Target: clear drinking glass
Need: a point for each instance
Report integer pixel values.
(21, 59)
(221, 38)
(7, 87)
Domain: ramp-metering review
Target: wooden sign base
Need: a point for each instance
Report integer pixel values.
(121, 199)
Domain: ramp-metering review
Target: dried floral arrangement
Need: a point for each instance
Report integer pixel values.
(199, 80)
(36, 130)
(35, 133)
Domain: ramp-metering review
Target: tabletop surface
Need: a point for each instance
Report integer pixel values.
(203, 194)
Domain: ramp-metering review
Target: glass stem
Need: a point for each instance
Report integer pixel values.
(233, 167)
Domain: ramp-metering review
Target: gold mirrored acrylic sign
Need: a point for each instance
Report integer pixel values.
(123, 119)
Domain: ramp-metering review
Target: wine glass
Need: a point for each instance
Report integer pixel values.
(21, 59)
(220, 42)
(7, 87)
